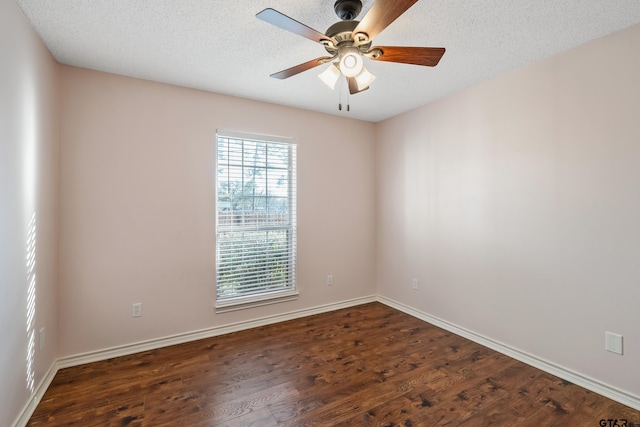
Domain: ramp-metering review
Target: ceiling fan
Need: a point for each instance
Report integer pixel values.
(349, 41)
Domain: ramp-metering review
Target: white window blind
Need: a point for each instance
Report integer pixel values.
(256, 218)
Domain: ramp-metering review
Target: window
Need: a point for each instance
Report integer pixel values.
(255, 219)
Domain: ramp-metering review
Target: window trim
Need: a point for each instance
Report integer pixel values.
(255, 300)
(269, 297)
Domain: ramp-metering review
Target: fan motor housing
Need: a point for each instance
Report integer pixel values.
(342, 33)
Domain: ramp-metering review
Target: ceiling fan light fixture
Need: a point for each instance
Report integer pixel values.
(330, 76)
(351, 62)
(349, 41)
(364, 79)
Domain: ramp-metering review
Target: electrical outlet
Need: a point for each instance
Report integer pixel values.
(613, 342)
(136, 310)
(330, 280)
(414, 284)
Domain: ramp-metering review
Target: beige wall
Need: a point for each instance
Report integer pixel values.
(138, 215)
(516, 204)
(28, 201)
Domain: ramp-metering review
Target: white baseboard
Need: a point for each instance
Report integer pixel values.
(36, 397)
(544, 365)
(153, 344)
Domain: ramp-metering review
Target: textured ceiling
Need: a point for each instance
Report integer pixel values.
(221, 46)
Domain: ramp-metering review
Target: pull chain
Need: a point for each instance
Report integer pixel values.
(340, 98)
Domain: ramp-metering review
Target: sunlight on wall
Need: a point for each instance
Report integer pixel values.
(30, 138)
(31, 301)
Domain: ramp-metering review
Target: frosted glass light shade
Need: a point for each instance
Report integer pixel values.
(364, 79)
(330, 76)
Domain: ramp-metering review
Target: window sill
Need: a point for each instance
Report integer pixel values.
(241, 303)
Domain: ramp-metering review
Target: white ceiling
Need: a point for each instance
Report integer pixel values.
(221, 46)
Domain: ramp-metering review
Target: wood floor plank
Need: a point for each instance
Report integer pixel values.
(368, 365)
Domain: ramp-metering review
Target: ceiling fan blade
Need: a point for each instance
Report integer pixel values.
(281, 20)
(380, 15)
(353, 86)
(284, 74)
(428, 56)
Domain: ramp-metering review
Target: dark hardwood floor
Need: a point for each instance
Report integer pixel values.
(369, 365)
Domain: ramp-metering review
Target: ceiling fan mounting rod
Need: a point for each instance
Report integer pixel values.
(347, 9)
